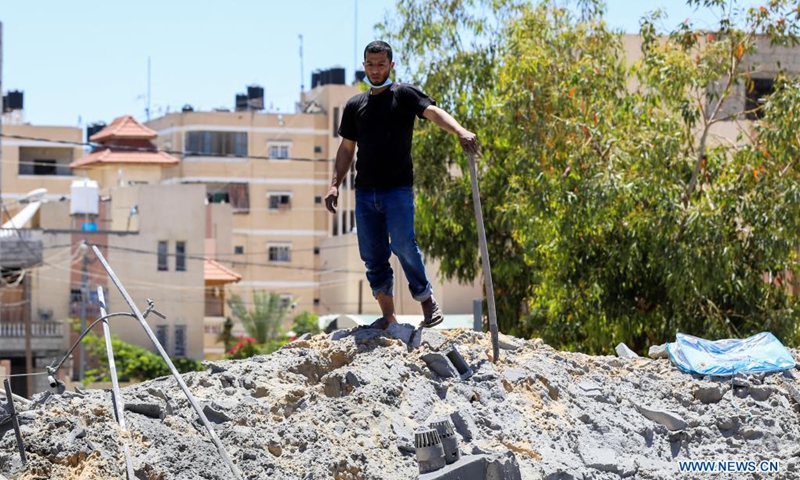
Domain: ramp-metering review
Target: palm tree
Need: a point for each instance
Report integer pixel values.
(263, 322)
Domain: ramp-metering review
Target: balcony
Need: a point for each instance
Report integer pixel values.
(45, 336)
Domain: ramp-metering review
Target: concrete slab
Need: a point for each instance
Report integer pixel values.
(479, 467)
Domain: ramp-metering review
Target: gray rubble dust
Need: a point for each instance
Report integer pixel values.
(346, 409)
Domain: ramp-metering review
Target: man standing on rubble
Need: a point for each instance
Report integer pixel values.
(381, 122)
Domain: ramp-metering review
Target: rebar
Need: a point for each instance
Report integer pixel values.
(116, 395)
(223, 453)
(484, 249)
(14, 420)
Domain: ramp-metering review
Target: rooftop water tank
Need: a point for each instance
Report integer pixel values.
(85, 197)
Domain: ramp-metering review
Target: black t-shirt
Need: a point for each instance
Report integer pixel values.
(383, 125)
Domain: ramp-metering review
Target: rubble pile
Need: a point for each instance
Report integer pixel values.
(346, 406)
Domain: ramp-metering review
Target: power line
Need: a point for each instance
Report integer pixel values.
(182, 153)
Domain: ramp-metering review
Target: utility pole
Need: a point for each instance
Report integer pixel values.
(84, 294)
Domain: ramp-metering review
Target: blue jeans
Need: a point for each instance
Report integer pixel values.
(385, 225)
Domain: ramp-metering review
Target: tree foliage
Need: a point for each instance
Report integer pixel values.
(615, 210)
(264, 318)
(306, 322)
(133, 363)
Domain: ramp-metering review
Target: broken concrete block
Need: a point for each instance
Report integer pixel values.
(405, 442)
(603, 459)
(440, 365)
(401, 331)
(502, 466)
(152, 410)
(433, 338)
(514, 375)
(507, 342)
(463, 369)
(624, 352)
(671, 420)
(339, 334)
(590, 389)
(709, 394)
(465, 425)
(658, 351)
(215, 415)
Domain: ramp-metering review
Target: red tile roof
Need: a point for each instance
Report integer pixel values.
(108, 156)
(215, 273)
(125, 127)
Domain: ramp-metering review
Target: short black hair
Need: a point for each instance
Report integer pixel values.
(378, 46)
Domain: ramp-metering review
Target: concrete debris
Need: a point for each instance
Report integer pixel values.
(346, 406)
(624, 352)
(669, 419)
(658, 351)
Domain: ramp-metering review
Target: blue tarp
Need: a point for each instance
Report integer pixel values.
(759, 353)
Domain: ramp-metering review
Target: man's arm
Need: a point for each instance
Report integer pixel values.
(468, 140)
(344, 159)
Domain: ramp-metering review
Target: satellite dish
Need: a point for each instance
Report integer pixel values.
(33, 196)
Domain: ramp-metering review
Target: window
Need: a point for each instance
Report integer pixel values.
(316, 301)
(180, 341)
(317, 149)
(162, 256)
(180, 256)
(316, 250)
(318, 200)
(45, 161)
(758, 89)
(44, 167)
(279, 151)
(335, 122)
(216, 144)
(280, 200)
(161, 335)
(280, 252)
(238, 250)
(236, 194)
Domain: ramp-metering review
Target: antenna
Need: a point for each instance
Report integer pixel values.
(302, 86)
(147, 109)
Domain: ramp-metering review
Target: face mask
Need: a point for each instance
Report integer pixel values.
(384, 84)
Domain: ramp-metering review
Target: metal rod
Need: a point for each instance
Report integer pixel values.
(14, 420)
(175, 373)
(116, 395)
(487, 268)
(54, 369)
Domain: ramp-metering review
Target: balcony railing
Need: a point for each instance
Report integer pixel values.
(38, 330)
(45, 337)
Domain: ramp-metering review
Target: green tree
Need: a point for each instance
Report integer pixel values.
(264, 321)
(612, 212)
(133, 363)
(306, 322)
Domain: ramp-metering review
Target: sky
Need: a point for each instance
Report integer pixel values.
(83, 61)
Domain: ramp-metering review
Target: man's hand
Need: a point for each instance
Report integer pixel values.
(469, 141)
(331, 199)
